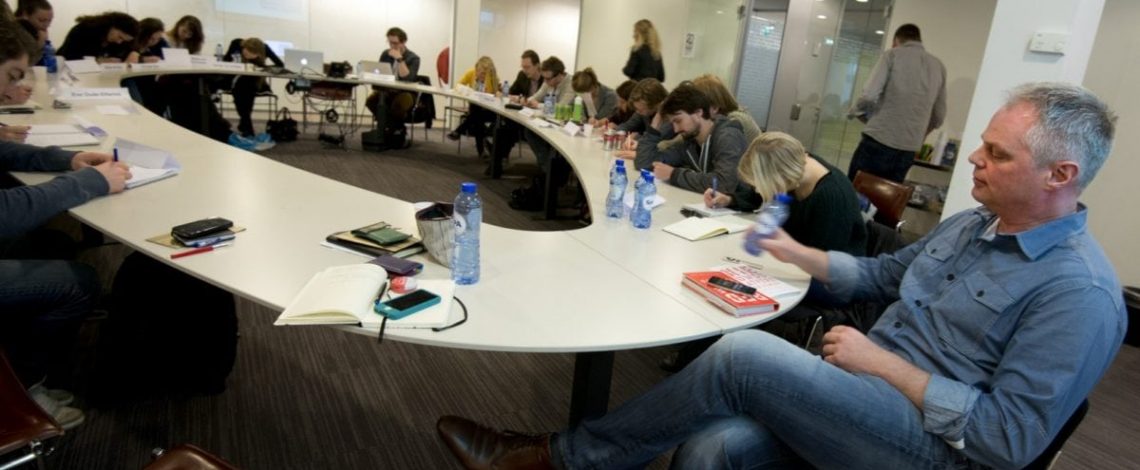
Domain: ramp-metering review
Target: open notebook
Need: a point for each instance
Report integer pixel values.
(700, 228)
(148, 164)
(344, 295)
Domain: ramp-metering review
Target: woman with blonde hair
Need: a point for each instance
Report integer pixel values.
(605, 99)
(485, 79)
(824, 212)
(645, 55)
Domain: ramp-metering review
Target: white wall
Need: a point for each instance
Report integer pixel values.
(1113, 71)
(607, 34)
(508, 27)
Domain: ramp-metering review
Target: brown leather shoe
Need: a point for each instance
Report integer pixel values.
(480, 447)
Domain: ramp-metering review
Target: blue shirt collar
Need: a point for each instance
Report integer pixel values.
(1037, 240)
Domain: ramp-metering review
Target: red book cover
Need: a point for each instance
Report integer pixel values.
(733, 302)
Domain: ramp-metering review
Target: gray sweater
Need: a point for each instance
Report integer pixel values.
(606, 103)
(26, 207)
(691, 172)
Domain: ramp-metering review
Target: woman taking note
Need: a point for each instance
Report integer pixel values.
(585, 83)
(109, 37)
(187, 34)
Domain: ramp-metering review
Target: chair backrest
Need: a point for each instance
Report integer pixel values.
(424, 109)
(888, 197)
(1049, 456)
(22, 421)
(443, 65)
(188, 456)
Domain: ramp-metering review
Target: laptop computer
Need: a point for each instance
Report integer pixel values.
(374, 67)
(305, 62)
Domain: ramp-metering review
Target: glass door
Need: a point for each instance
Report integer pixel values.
(712, 41)
(760, 57)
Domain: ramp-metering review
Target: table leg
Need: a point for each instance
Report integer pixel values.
(590, 394)
(496, 163)
(204, 105)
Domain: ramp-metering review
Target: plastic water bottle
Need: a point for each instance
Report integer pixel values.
(615, 201)
(504, 87)
(49, 58)
(548, 104)
(219, 53)
(617, 163)
(468, 216)
(642, 214)
(480, 86)
(771, 217)
(578, 111)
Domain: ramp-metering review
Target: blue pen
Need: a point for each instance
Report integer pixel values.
(714, 191)
(115, 157)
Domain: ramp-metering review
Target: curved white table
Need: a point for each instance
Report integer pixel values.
(590, 291)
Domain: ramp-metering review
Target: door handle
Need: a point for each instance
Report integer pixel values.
(795, 112)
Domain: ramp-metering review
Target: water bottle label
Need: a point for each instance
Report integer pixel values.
(647, 202)
(460, 224)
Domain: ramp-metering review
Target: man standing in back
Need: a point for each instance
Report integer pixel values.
(904, 100)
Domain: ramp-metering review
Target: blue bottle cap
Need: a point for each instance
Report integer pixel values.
(648, 176)
(467, 187)
(620, 169)
(784, 198)
(620, 163)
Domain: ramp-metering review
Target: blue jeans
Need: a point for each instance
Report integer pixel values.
(42, 305)
(873, 157)
(756, 401)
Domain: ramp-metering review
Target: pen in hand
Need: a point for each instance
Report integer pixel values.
(714, 192)
(115, 158)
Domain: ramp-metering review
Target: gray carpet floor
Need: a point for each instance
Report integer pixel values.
(314, 398)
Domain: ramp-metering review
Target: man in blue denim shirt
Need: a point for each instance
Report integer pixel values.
(1004, 318)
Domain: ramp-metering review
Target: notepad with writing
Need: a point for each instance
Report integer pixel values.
(147, 164)
(698, 228)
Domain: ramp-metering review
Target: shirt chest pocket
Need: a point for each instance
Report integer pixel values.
(965, 312)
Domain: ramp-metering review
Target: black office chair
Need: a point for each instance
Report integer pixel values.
(1049, 457)
(423, 111)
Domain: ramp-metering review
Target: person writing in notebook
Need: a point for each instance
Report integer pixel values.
(711, 146)
(1002, 321)
(43, 301)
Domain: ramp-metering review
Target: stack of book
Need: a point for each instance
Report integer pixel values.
(375, 240)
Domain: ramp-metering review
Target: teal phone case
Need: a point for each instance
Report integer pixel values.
(383, 308)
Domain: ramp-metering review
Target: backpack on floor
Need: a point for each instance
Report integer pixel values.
(166, 332)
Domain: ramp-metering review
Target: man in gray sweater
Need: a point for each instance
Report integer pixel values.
(43, 301)
(710, 151)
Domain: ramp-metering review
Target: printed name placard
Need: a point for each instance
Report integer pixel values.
(571, 129)
(95, 94)
(114, 67)
(527, 112)
(141, 67)
(238, 66)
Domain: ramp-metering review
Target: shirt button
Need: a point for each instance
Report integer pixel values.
(950, 277)
(918, 303)
(898, 324)
(980, 293)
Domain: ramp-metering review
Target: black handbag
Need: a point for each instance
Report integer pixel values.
(283, 128)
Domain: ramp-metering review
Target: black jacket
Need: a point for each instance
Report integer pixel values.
(521, 86)
(86, 39)
(642, 64)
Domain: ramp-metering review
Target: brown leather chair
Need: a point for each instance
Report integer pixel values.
(889, 197)
(23, 424)
(187, 457)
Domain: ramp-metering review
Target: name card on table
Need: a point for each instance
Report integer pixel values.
(141, 67)
(120, 67)
(528, 112)
(236, 66)
(201, 61)
(571, 129)
(95, 94)
(378, 77)
(587, 130)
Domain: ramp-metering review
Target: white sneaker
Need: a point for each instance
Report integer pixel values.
(67, 417)
(63, 397)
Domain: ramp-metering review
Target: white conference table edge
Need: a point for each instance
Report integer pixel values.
(573, 148)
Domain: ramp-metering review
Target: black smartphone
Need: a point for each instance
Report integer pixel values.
(690, 213)
(200, 228)
(730, 285)
(405, 305)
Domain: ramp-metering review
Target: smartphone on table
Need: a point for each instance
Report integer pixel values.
(407, 304)
(731, 285)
